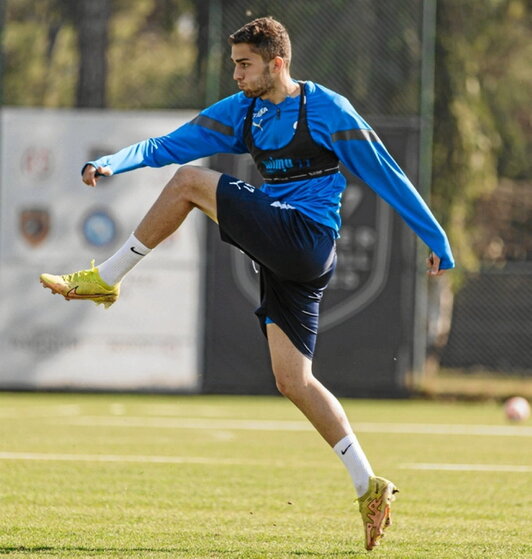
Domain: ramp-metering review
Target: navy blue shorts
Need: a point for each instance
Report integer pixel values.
(296, 255)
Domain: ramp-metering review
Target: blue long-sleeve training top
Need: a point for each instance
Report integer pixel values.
(332, 122)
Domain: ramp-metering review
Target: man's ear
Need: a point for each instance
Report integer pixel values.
(277, 64)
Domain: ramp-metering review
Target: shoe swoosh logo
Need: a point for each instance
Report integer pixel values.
(346, 449)
(132, 249)
(74, 293)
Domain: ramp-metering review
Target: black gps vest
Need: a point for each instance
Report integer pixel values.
(301, 159)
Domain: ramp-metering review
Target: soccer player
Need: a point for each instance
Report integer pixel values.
(297, 132)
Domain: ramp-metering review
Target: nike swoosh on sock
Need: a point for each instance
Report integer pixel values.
(132, 249)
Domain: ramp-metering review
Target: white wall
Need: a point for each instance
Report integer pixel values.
(50, 222)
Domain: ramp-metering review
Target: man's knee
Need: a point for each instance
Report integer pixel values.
(196, 186)
(185, 178)
(194, 181)
(290, 383)
(285, 388)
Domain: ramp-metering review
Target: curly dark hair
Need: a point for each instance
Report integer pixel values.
(267, 37)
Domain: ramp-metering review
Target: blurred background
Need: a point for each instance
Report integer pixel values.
(447, 85)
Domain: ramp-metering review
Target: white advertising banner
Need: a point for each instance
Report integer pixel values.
(51, 222)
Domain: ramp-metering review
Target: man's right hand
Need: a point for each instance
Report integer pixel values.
(91, 175)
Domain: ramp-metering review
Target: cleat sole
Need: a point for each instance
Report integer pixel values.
(377, 512)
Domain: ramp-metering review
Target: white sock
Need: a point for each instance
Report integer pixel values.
(351, 454)
(123, 260)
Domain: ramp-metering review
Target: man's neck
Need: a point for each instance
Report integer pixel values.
(286, 88)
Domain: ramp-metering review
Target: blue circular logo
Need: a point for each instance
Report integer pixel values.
(99, 228)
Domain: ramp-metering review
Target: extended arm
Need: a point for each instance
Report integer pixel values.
(360, 149)
(369, 160)
(212, 131)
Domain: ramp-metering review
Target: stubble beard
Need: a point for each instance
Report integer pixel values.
(262, 86)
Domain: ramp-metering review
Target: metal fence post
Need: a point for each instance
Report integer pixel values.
(425, 169)
(214, 52)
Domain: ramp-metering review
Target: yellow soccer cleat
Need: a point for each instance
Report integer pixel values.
(86, 284)
(374, 507)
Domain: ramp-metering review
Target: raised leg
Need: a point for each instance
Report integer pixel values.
(190, 187)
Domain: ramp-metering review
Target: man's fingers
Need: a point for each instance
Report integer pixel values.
(91, 175)
(88, 175)
(105, 171)
(89, 178)
(433, 265)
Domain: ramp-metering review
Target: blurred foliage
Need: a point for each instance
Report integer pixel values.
(502, 224)
(483, 110)
(158, 53)
(154, 39)
(40, 56)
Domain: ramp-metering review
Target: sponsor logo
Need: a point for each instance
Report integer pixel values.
(284, 164)
(282, 205)
(43, 341)
(34, 225)
(260, 112)
(37, 162)
(99, 228)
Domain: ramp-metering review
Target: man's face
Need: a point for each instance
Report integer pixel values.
(251, 73)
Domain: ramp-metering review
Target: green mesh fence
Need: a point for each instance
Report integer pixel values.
(492, 323)
(174, 53)
(366, 50)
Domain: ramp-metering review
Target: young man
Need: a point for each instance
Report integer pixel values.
(296, 132)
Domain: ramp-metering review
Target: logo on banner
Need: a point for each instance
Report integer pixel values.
(37, 162)
(99, 228)
(43, 342)
(34, 225)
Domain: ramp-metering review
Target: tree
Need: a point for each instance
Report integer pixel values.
(91, 21)
(482, 109)
(95, 53)
(482, 134)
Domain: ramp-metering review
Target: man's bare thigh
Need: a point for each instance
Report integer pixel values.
(201, 184)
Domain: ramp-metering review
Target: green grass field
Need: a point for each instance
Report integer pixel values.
(223, 477)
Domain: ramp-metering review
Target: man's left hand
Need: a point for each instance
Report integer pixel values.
(433, 265)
